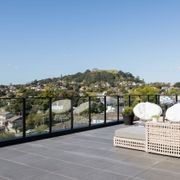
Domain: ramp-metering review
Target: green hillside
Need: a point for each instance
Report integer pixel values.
(109, 76)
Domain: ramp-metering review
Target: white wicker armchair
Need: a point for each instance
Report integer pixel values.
(132, 137)
(159, 138)
(163, 138)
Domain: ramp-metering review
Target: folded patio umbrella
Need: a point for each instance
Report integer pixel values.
(167, 100)
(146, 111)
(173, 113)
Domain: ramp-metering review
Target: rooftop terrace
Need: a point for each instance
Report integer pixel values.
(88, 155)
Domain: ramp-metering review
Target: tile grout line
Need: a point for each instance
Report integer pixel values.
(47, 171)
(69, 162)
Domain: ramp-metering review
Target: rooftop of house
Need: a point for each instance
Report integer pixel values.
(5, 113)
(15, 118)
(88, 155)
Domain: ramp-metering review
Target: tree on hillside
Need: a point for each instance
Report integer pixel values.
(173, 92)
(177, 85)
(146, 90)
(140, 94)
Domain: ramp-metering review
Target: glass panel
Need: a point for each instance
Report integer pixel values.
(11, 119)
(97, 110)
(143, 98)
(178, 99)
(135, 99)
(166, 102)
(153, 99)
(126, 100)
(61, 111)
(122, 104)
(37, 116)
(111, 109)
(81, 112)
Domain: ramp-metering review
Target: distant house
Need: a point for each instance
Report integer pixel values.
(165, 88)
(15, 123)
(10, 122)
(110, 109)
(4, 116)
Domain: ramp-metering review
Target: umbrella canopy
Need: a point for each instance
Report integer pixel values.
(61, 106)
(82, 108)
(173, 113)
(145, 111)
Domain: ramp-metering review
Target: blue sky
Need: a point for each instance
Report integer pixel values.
(47, 38)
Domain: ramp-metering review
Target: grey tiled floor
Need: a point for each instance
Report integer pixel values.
(88, 155)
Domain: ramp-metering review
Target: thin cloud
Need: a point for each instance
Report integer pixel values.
(13, 67)
(67, 55)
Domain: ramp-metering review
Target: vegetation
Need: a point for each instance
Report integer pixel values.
(173, 92)
(35, 120)
(110, 76)
(7, 136)
(128, 111)
(41, 128)
(140, 94)
(145, 90)
(177, 85)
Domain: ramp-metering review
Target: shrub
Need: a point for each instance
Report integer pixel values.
(128, 111)
(41, 128)
(7, 135)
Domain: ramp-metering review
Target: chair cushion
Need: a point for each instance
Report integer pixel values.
(131, 132)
